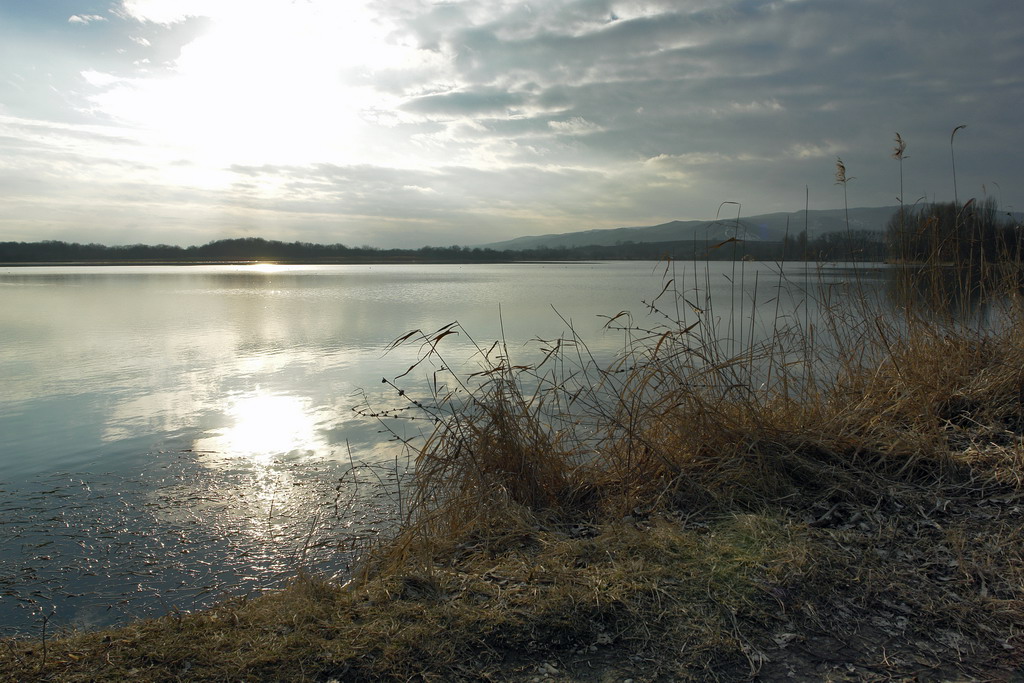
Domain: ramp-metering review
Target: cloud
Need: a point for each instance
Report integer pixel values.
(577, 125)
(756, 107)
(824, 150)
(99, 79)
(85, 18)
(166, 11)
(482, 101)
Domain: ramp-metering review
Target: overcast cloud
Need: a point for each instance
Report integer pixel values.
(413, 122)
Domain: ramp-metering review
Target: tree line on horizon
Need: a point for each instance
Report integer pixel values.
(942, 232)
(864, 245)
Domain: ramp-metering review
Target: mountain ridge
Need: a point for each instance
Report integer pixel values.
(769, 227)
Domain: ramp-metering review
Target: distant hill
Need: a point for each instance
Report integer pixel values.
(769, 227)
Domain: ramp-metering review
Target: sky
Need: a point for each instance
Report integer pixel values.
(404, 123)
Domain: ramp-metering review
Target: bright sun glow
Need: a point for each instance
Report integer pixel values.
(265, 426)
(269, 82)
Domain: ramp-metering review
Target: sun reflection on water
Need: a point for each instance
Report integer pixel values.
(267, 268)
(264, 426)
(257, 478)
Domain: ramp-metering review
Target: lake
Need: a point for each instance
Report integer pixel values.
(172, 435)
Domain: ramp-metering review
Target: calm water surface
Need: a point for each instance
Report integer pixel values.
(172, 434)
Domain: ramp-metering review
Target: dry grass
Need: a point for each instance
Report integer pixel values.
(842, 502)
(579, 593)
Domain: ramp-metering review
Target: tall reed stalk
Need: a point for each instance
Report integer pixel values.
(952, 159)
(899, 154)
